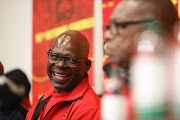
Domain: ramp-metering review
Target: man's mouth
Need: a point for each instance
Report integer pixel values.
(60, 77)
(108, 51)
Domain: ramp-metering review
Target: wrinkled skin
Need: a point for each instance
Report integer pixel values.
(64, 78)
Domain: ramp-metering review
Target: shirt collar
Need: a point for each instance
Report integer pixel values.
(77, 92)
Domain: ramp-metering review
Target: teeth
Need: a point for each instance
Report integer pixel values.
(60, 75)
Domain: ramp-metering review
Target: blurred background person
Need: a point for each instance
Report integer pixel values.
(128, 23)
(14, 90)
(116, 90)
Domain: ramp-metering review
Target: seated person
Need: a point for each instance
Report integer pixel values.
(71, 97)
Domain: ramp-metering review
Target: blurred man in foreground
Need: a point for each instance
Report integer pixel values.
(130, 19)
(71, 97)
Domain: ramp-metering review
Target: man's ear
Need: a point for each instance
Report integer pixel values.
(88, 65)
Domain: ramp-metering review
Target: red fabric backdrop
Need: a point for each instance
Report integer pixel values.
(51, 18)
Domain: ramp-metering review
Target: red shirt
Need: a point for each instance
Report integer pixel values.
(80, 104)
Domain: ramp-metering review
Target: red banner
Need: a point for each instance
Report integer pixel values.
(51, 18)
(177, 5)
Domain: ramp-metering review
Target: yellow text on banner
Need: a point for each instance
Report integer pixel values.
(53, 33)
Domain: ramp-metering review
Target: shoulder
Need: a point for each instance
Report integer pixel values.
(91, 96)
(86, 108)
(89, 101)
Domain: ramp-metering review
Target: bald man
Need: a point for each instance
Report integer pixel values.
(71, 97)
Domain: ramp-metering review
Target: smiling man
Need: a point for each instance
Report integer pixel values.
(71, 97)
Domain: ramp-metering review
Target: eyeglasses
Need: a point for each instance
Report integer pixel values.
(69, 61)
(115, 25)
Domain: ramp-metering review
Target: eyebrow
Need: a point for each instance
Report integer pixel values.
(132, 22)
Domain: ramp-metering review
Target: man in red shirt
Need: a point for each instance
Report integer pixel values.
(71, 97)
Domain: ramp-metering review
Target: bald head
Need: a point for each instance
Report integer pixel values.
(73, 40)
(1, 69)
(161, 10)
(68, 61)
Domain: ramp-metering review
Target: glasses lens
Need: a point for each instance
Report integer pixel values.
(55, 58)
(71, 62)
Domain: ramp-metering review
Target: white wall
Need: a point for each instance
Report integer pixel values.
(16, 35)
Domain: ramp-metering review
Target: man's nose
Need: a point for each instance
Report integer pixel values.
(108, 35)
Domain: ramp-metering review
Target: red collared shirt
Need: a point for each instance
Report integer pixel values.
(80, 104)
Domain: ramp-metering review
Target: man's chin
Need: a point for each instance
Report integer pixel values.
(58, 88)
(119, 62)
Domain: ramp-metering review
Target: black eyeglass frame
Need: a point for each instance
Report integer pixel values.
(125, 24)
(60, 56)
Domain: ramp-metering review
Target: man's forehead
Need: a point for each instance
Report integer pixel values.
(126, 10)
(63, 40)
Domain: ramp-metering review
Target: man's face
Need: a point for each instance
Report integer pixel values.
(121, 42)
(65, 78)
